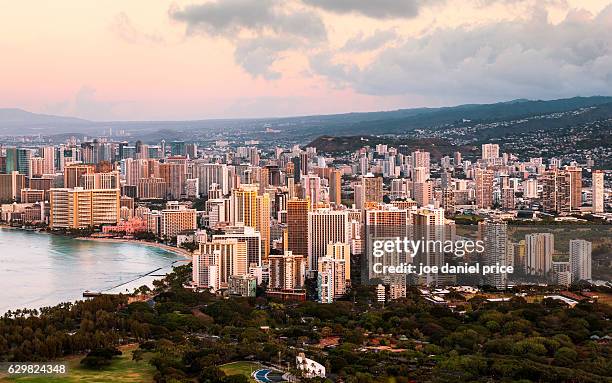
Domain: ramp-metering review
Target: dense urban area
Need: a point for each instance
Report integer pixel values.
(285, 283)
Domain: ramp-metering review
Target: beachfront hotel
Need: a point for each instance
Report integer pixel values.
(78, 208)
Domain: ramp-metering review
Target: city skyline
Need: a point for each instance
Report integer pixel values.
(246, 58)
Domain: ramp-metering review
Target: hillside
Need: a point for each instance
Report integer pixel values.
(306, 128)
(437, 147)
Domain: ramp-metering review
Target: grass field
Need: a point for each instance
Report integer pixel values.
(122, 370)
(242, 368)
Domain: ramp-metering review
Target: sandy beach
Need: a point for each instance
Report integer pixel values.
(182, 252)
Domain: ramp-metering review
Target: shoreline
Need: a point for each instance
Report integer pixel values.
(184, 256)
(176, 250)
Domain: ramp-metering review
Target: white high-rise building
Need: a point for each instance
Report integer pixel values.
(208, 174)
(495, 252)
(324, 227)
(580, 259)
(228, 255)
(331, 279)
(205, 271)
(540, 248)
(421, 159)
(531, 188)
(247, 235)
(341, 251)
(598, 191)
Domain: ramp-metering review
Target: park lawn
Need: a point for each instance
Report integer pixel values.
(122, 370)
(241, 368)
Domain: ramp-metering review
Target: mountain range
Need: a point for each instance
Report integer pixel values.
(306, 128)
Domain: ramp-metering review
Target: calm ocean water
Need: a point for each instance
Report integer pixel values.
(38, 269)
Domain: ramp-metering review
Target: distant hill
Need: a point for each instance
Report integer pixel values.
(18, 121)
(14, 116)
(407, 120)
(306, 128)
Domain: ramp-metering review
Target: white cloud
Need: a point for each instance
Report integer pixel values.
(270, 28)
(361, 43)
(530, 58)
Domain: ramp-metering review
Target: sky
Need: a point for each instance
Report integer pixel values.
(198, 59)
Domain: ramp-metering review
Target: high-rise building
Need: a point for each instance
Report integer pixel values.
(297, 226)
(448, 201)
(580, 259)
(173, 174)
(557, 191)
(177, 221)
(151, 188)
(73, 174)
(11, 185)
(383, 223)
(108, 180)
(287, 271)
(539, 252)
(18, 159)
(178, 148)
(428, 225)
(364, 165)
(372, 189)
(490, 151)
(530, 188)
(324, 227)
(263, 222)
(242, 285)
(341, 251)
(228, 255)
(457, 159)
(135, 170)
(79, 208)
(36, 167)
(422, 192)
(496, 252)
(208, 174)
(331, 279)
(192, 190)
(205, 271)
(381, 293)
(311, 188)
(421, 159)
(598, 191)
(335, 187)
(244, 205)
(507, 198)
(575, 187)
(48, 155)
(11, 163)
(484, 188)
(248, 235)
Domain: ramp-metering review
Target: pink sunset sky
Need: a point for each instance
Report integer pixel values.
(157, 60)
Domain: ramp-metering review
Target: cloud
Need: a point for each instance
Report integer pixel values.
(378, 9)
(227, 17)
(262, 30)
(530, 58)
(122, 26)
(361, 43)
(256, 56)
